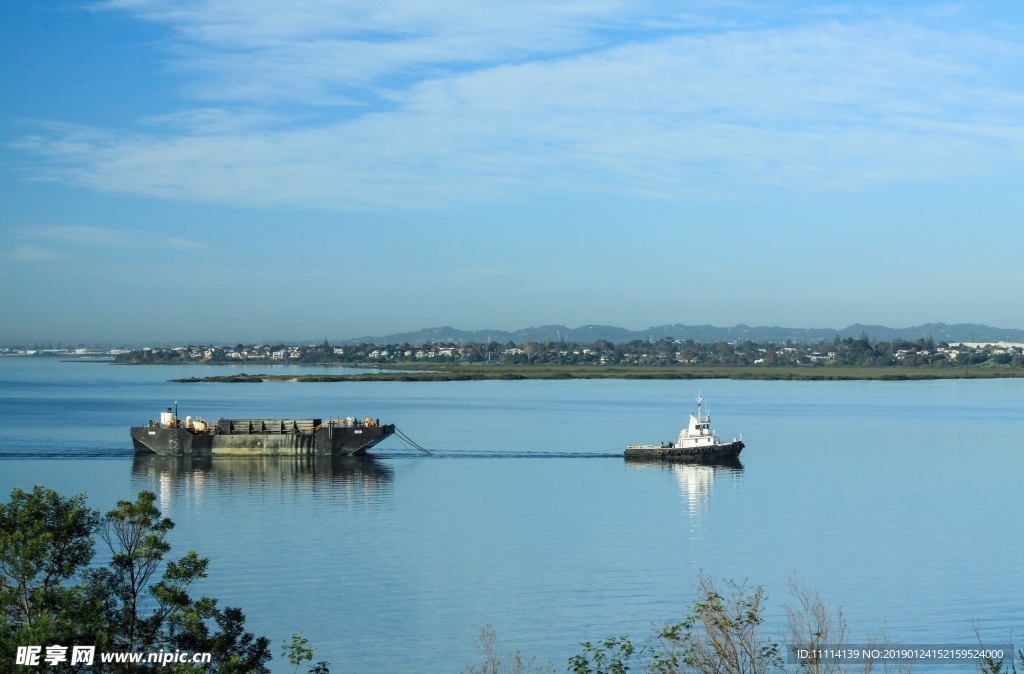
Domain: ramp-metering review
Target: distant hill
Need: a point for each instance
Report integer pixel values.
(940, 332)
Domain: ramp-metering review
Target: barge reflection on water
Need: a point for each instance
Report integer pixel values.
(352, 476)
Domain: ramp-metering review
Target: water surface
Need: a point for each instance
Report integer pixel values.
(899, 500)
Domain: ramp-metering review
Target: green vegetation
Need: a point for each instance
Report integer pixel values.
(506, 372)
(299, 651)
(52, 593)
(666, 358)
(724, 633)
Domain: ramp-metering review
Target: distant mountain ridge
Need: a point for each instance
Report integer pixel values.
(586, 334)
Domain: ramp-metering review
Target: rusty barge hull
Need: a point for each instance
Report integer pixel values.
(260, 437)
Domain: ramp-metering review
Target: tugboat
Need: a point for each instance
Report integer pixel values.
(697, 442)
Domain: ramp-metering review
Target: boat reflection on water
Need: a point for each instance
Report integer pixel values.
(347, 477)
(696, 479)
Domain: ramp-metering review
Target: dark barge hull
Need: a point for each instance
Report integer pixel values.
(325, 441)
(728, 450)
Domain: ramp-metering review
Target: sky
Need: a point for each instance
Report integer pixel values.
(252, 170)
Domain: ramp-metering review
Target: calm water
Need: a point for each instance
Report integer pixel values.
(901, 501)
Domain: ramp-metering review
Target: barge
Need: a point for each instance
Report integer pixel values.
(696, 442)
(171, 436)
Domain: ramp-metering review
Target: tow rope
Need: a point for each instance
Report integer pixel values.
(408, 441)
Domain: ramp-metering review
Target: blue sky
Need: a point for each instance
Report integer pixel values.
(256, 170)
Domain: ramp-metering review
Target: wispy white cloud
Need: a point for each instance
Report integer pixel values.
(75, 235)
(482, 101)
(32, 254)
(50, 243)
(316, 50)
(219, 121)
(185, 245)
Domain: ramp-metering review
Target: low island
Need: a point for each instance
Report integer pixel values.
(665, 358)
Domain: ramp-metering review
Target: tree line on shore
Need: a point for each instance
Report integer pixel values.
(848, 352)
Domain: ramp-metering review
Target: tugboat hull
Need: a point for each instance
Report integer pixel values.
(708, 453)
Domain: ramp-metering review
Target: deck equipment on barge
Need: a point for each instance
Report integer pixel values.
(252, 437)
(697, 442)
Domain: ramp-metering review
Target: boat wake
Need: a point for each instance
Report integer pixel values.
(118, 453)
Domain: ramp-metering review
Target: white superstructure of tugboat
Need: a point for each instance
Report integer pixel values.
(696, 442)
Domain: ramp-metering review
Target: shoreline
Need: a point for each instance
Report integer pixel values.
(490, 373)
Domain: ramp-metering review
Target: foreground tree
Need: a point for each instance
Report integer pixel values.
(49, 594)
(992, 666)
(721, 635)
(45, 542)
(818, 628)
(496, 661)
